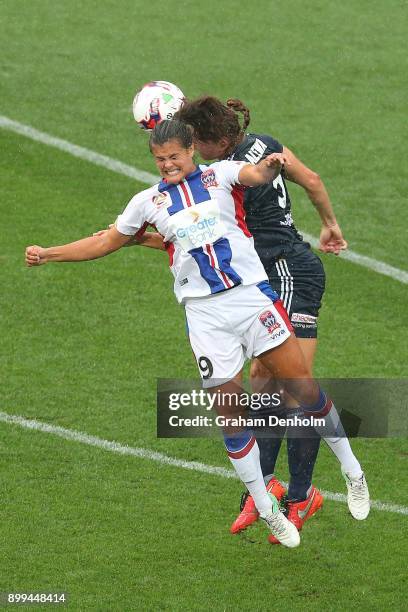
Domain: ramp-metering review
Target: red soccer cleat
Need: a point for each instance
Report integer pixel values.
(298, 512)
(249, 514)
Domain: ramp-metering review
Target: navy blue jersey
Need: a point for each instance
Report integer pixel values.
(268, 207)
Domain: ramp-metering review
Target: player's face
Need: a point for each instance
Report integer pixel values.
(173, 161)
(212, 149)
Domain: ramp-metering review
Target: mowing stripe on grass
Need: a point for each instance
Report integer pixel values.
(144, 453)
(150, 179)
(76, 151)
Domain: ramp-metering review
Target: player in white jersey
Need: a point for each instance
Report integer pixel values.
(231, 309)
(201, 220)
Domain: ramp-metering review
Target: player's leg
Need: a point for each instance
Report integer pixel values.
(358, 496)
(340, 446)
(243, 452)
(302, 449)
(300, 281)
(215, 343)
(302, 446)
(302, 441)
(301, 278)
(269, 440)
(269, 445)
(303, 499)
(287, 364)
(282, 363)
(268, 335)
(240, 443)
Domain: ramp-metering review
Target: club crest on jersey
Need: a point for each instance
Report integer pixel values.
(160, 200)
(269, 321)
(208, 178)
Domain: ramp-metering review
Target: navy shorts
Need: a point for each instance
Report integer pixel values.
(299, 279)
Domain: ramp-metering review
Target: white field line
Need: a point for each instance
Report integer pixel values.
(145, 177)
(366, 262)
(144, 453)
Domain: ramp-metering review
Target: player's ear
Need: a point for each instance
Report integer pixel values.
(224, 143)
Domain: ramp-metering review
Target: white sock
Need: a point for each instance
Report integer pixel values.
(338, 443)
(342, 449)
(249, 470)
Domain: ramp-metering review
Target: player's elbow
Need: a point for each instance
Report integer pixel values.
(313, 182)
(105, 245)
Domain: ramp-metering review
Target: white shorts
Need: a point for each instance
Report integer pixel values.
(226, 327)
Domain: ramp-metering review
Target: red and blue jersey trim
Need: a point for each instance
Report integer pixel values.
(213, 260)
(267, 290)
(191, 190)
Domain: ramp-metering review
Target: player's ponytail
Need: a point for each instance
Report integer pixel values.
(239, 107)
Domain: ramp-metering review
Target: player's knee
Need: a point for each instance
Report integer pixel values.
(258, 370)
(261, 378)
(303, 370)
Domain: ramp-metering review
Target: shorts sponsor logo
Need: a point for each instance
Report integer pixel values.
(269, 321)
(297, 317)
(303, 321)
(208, 178)
(160, 200)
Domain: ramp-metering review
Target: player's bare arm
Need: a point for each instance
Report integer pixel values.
(92, 247)
(152, 240)
(264, 172)
(331, 237)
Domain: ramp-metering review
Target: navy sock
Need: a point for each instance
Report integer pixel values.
(303, 446)
(269, 438)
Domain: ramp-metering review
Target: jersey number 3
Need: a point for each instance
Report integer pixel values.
(281, 190)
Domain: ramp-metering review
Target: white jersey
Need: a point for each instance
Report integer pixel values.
(202, 221)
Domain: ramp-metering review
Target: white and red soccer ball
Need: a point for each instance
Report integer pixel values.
(156, 101)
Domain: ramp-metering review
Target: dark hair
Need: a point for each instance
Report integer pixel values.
(212, 120)
(171, 129)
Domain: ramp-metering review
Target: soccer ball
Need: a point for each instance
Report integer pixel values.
(156, 101)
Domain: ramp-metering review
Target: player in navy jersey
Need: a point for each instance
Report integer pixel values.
(297, 274)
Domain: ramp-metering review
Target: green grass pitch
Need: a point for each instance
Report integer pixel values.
(83, 345)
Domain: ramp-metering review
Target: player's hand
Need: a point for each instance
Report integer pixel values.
(331, 239)
(35, 256)
(276, 160)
